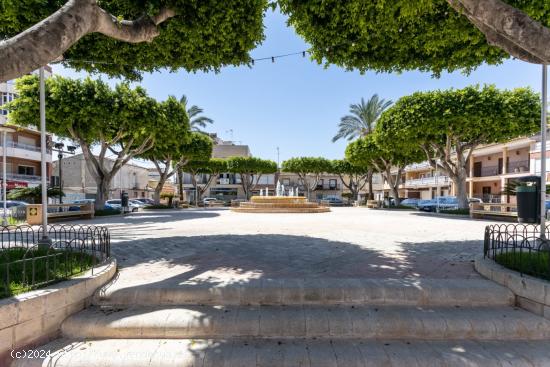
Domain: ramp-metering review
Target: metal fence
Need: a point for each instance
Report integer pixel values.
(24, 265)
(519, 247)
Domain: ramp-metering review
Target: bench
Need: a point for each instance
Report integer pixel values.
(59, 211)
(482, 210)
(374, 204)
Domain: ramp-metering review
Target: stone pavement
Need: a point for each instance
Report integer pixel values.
(220, 246)
(353, 287)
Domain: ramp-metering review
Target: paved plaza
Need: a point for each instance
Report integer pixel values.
(166, 248)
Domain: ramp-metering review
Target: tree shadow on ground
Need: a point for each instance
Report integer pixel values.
(220, 259)
(462, 217)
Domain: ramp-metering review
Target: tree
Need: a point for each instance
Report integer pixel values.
(196, 121)
(94, 35)
(250, 170)
(210, 168)
(362, 118)
(308, 169)
(176, 151)
(121, 121)
(448, 125)
(429, 35)
(391, 162)
(361, 122)
(353, 177)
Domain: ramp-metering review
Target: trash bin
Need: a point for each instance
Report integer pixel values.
(528, 198)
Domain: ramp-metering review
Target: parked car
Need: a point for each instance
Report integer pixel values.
(412, 202)
(334, 201)
(138, 203)
(205, 201)
(11, 205)
(117, 204)
(444, 203)
(146, 201)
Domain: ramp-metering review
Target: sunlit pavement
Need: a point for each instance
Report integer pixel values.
(217, 245)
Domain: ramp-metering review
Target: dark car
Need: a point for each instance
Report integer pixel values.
(145, 201)
(443, 202)
(334, 201)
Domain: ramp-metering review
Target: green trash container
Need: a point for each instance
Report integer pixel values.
(528, 198)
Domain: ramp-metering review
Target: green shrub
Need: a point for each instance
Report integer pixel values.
(59, 265)
(464, 211)
(531, 263)
(105, 212)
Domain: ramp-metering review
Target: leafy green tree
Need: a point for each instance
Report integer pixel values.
(361, 122)
(176, 151)
(449, 124)
(32, 194)
(353, 177)
(122, 122)
(94, 35)
(308, 169)
(209, 169)
(250, 170)
(429, 35)
(385, 157)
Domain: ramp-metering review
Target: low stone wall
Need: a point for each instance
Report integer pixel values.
(33, 318)
(531, 293)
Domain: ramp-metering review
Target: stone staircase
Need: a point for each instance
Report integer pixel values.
(314, 323)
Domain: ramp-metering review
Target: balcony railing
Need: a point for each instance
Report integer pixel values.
(518, 166)
(18, 177)
(428, 181)
(33, 148)
(327, 187)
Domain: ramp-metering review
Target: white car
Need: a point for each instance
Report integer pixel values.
(117, 204)
(137, 203)
(205, 201)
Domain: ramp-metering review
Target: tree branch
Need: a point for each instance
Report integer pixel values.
(47, 40)
(507, 27)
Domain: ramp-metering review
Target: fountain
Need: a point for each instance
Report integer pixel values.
(284, 201)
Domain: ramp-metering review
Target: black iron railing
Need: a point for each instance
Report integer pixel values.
(26, 265)
(519, 247)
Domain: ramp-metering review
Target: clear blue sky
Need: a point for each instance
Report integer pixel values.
(295, 103)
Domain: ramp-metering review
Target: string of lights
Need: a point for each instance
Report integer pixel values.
(252, 61)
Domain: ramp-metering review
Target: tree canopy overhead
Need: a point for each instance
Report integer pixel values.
(128, 37)
(428, 35)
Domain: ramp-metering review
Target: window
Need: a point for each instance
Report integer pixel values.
(320, 184)
(25, 170)
(332, 184)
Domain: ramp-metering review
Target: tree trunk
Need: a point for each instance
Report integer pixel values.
(508, 28)
(103, 185)
(459, 181)
(180, 184)
(47, 40)
(371, 193)
(158, 190)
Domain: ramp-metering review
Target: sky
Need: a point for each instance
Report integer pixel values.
(296, 104)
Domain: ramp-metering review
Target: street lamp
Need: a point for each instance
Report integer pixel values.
(58, 147)
(4, 130)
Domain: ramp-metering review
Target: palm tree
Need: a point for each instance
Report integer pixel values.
(360, 122)
(196, 123)
(362, 118)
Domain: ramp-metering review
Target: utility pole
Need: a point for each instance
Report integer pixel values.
(45, 241)
(278, 165)
(543, 127)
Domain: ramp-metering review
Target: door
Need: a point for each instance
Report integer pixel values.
(477, 169)
(500, 162)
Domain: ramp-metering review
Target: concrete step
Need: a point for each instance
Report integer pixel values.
(395, 292)
(293, 353)
(220, 322)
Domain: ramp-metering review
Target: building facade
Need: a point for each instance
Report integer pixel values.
(79, 183)
(23, 158)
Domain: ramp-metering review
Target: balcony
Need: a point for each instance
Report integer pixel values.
(18, 177)
(428, 181)
(25, 151)
(518, 166)
(327, 187)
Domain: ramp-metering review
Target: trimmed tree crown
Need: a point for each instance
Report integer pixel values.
(196, 35)
(305, 165)
(399, 35)
(250, 165)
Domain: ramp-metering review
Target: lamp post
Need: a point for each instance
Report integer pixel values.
(4, 130)
(58, 147)
(543, 128)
